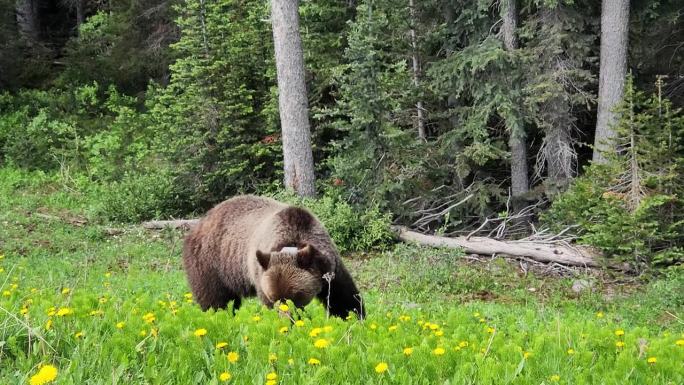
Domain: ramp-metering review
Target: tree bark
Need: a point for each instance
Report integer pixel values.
(538, 251)
(80, 14)
(27, 22)
(614, 39)
(292, 98)
(516, 140)
(420, 111)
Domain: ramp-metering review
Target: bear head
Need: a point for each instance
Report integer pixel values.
(293, 273)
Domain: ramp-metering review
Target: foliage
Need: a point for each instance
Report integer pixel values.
(632, 207)
(212, 122)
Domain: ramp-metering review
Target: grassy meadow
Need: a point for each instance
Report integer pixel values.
(88, 302)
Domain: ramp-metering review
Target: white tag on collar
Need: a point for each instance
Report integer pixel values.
(289, 250)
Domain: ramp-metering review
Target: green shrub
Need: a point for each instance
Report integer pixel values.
(351, 228)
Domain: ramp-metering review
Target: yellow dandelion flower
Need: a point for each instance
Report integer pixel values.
(619, 332)
(527, 355)
(651, 360)
(571, 351)
(66, 290)
(14, 286)
(256, 318)
(2, 270)
(23, 311)
(64, 311)
(107, 274)
(554, 378)
(439, 333)
(149, 318)
(103, 300)
(482, 320)
(408, 351)
(290, 361)
(143, 333)
(392, 328)
(47, 373)
(619, 344)
(283, 307)
(233, 357)
(321, 343)
(120, 325)
(313, 361)
(476, 315)
(679, 342)
(48, 324)
(491, 330)
(96, 312)
(421, 322)
(225, 376)
(299, 323)
(201, 332)
(599, 314)
(283, 330)
(272, 357)
(271, 382)
(78, 335)
(187, 295)
(6, 293)
(315, 332)
(221, 345)
(463, 344)
(373, 326)
(327, 329)
(272, 376)
(438, 351)
(404, 318)
(434, 326)
(381, 367)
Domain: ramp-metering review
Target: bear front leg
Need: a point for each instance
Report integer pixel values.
(340, 296)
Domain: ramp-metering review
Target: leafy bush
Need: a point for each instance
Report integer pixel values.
(350, 228)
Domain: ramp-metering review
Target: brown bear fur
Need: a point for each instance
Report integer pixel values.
(255, 246)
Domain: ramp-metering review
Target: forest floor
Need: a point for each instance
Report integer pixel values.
(108, 303)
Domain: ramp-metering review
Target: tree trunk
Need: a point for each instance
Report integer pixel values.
(292, 99)
(80, 14)
(420, 114)
(614, 38)
(516, 141)
(27, 22)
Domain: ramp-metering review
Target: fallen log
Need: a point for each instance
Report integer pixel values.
(546, 252)
(183, 224)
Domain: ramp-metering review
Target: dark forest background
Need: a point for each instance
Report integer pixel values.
(165, 108)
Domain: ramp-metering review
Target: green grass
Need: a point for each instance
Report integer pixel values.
(484, 315)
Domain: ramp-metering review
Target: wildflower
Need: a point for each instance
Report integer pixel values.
(321, 343)
(299, 323)
(373, 326)
(327, 328)
(482, 320)
(272, 357)
(392, 328)
(283, 307)
(439, 333)
(2, 270)
(679, 343)
(283, 330)
(51, 311)
(290, 361)
(200, 332)
(108, 274)
(571, 351)
(381, 367)
(619, 344)
(225, 376)
(149, 318)
(46, 374)
(221, 345)
(78, 335)
(14, 286)
(476, 315)
(272, 376)
(527, 355)
(619, 332)
(187, 295)
(23, 311)
(256, 318)
(313, 361)
(651, 360)
(404, 318)
(143, 333)
(438, 351)
(271, 382)
(434, 326)
(491, 330)
(66, 290)
(315, 332)
(599, 314)
(6, 293)
(96, 312)
(233, 357)
(554, 378)
(102, 300)
(120, 325)
(48, 324)
(463, 344)
(64, 311)
(408, 351)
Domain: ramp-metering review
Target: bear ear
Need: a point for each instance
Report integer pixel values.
(263, 259)
(305, 256)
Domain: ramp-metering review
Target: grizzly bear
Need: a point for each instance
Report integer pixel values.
(254, 246)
